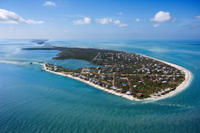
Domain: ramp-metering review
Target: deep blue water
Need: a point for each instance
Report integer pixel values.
(35, 101)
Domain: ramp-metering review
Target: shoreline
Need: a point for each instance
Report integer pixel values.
(181, 87)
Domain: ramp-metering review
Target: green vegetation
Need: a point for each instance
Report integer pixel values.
(123, 72)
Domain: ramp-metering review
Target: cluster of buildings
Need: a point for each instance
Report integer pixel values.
(129, 73)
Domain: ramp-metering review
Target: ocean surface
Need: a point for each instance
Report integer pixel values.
(35, 101)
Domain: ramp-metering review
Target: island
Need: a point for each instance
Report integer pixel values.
(129, 75)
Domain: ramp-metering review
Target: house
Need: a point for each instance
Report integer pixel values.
(148, 72)
(168, 89)
(86, 70)
(107, 86)
(139, 94)
(55, 68)
(113, 87)
(118, 90)
(134, 86)
(76, 74)
(103, 76)
(164, 82)
(122, 90)
(129, 92)
(117, 77)
(83, 77)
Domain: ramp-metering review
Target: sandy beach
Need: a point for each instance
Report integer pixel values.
(182, 86)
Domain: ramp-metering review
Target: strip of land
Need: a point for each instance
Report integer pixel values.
(182, 86)
(129, 75)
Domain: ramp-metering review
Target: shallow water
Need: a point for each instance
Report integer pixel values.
(32, 100)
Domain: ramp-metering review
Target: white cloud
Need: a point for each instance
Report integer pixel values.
(49, 3)
(161, 16)
(120, 13)
(119, 24)
(85, 20)
(123, 25)
(156, 25)
(110, 21)
(137, 20)
(30, 21)
(198, 17)
(104, 20)
(10, 17)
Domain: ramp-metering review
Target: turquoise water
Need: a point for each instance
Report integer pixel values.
(35, 101)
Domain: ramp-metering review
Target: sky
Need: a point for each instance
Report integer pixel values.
(100, 19)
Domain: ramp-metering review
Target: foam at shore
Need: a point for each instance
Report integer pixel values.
(182, 86)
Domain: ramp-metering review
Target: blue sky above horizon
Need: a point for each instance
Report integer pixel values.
(100, 19)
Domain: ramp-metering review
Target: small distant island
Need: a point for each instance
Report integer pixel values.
(129, 75)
